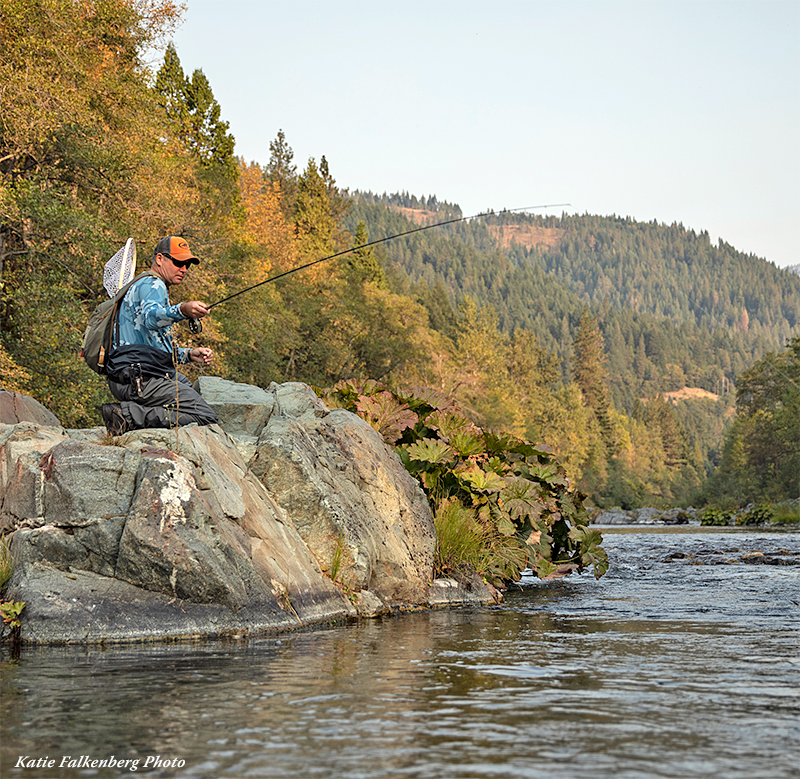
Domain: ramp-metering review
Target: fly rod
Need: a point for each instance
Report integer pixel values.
(196, 326)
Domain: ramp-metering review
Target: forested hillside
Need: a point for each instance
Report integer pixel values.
(674, 309)
(680, 318)
(616, 343)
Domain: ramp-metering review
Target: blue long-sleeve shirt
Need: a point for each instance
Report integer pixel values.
(146, 317)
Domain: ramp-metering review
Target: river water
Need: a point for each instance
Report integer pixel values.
(683, 661)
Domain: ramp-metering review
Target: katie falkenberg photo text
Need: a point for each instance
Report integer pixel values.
(85, 761)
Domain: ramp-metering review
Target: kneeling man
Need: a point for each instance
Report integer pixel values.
(141, 366)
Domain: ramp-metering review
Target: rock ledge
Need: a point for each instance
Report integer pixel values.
(228, 530)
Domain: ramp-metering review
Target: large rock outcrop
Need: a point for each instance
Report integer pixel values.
(348, 495)
(286, 514)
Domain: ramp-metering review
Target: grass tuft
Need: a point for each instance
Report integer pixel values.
(337, 557)
(464, 544)
(6, 562)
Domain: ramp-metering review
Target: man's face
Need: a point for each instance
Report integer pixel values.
(169, 271)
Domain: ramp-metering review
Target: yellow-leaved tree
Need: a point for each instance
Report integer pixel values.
(86, 163)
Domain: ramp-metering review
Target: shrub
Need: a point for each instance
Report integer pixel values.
(522, 508)
(712, 516)
(755, 515)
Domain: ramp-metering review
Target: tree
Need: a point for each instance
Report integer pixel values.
(282, 171)
(761, 453)
(170, 86)
(83, 167)
(255, 325)
(441, 315)
(208, 136)
(314, 223)
(662, 421)
(194, 114)
(361, 263)
(589, 371)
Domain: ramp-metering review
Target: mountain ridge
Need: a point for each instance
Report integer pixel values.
(675, 309)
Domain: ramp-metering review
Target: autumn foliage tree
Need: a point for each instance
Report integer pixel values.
(82, 167)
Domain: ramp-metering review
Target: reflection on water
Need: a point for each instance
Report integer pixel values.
(666, 667)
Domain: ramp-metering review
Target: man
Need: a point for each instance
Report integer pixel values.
(141, 366)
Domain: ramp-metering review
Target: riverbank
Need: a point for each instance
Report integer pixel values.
(753, 515)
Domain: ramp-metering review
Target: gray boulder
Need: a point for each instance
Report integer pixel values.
(358, 510)
(615, 516)
(22, 447)
(286, 514)
(173, 513)
(242, 409)
(16, 408)
(647, 515)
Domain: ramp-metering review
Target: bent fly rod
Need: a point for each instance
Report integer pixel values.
(195, 325)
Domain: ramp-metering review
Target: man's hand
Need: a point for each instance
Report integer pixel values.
(202, 355)
(194, 309)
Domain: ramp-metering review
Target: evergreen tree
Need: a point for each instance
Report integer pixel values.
(194, 114)
(589, 372)
(170, 86)
(208, 138)
(282, 171)
(362, 264)
(441, 315)
(313, 218)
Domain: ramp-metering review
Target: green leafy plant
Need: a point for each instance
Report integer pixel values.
(715, 517)
(10, 612)
(488, 490)
(759, 514)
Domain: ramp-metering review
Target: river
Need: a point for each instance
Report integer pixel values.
(683, 661)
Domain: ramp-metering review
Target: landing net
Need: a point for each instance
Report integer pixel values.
(120, 269)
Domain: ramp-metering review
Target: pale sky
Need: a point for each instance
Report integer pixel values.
(679, 111)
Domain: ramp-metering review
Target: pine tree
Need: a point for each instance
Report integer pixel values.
(170, 86)
(314, 222)
(590, 374)
(194, 114)
(282, 171)
(208, 136)
(361, 263)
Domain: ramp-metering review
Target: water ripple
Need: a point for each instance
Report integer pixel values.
(663, 668)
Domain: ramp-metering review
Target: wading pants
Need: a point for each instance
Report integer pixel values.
(163, 403)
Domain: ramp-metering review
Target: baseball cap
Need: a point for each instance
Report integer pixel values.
(177, 248)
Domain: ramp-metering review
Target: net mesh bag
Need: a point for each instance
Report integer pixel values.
(120, 269)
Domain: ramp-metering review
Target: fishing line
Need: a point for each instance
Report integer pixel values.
(380, 240)
(196, 327)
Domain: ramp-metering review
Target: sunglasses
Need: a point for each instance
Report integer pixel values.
(179, 263)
